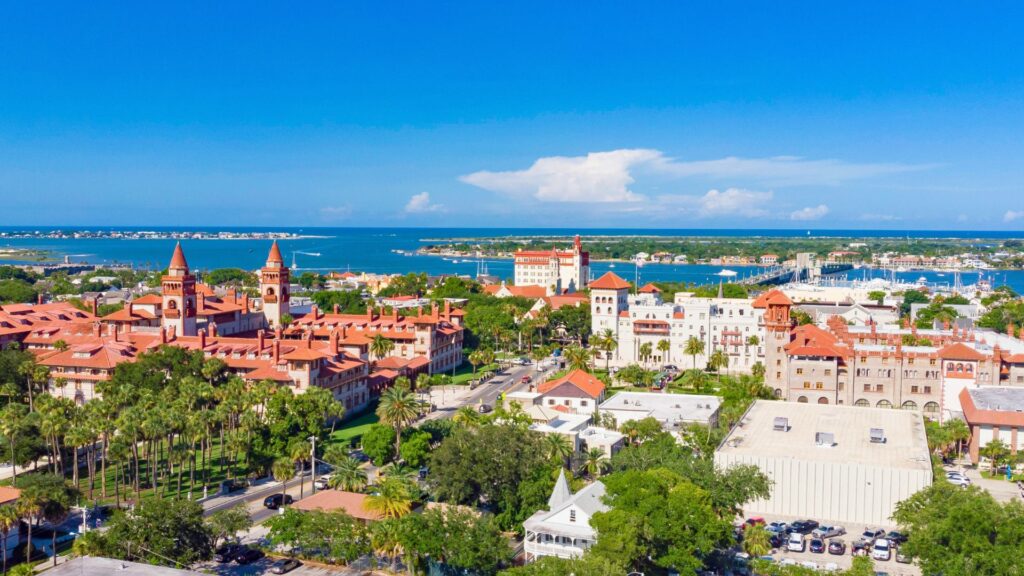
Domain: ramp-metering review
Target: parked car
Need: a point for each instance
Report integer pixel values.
(882, 550)
(817, 546)
(778, 527)
(804, 526)
(248, 555)
(484, 408)
(321, 482)
(285, 565)
(828, 531)
(229, 486)
(871, 534)
(359, 455)
(778, 540)
(860, 547)
(275, 501)
(226, 553)
(961, 481)
(796, 542)
(896, 538)
(836, 547)
(902, 557)
(753, 521)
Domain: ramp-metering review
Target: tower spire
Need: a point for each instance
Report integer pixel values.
(178, 259)
(275, 256)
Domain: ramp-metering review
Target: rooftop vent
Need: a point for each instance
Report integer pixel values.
(781, 424)
(877, 436)
(826, 439)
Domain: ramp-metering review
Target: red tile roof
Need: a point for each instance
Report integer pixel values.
(8, 494)
(581, 379)
(178, 259)
(609, 281)
(650, 289)
(960, 351)
(352, 503)
(275, 254)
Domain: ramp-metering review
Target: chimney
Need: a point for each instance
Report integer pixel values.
(277, 352)
(202, 339)
(394, 313)
(213, 329)
(315, 311)
(448, 305)
(309, 340)
(245, 301)
(131, 308)
(117, 332)
(334, 342)
(163, 335)
(945, 324)
(39, 298)
(369, 312)
(419, 311)
(433, 309)
(232, 295)
(260, 336)
(98, 329)
(202, 300)
(96, 306)
(277, 333)
(336, 309)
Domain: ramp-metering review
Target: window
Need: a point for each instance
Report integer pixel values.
(913, 389)
(819, 385)
(828, 371)
(862, 403)
(572, 515)
(927, 389)
(807, 385)
(909, 405)
(867, 387)
(884, 404)
(799, 370)
(583, 402)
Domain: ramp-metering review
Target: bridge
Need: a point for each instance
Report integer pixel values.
(785, 274)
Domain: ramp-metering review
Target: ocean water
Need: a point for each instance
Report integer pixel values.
(373, 250)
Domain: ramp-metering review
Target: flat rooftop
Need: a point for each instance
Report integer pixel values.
(99, 566)
(905, 444)
(1001, 399)
(665, 407)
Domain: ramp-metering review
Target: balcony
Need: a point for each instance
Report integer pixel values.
(534, 550)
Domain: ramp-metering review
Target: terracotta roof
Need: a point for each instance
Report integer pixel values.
(178, 259)
(556, 302)
(8, 494)
(352, 503)
(123, 315)
(609, 281)
(650, 288)
(581, 379)
(303, 353)
(960, 351)
(275, 254)
(776, 297)
(149, 299)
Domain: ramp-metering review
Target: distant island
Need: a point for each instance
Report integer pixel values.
(150, 235)
(884, 252)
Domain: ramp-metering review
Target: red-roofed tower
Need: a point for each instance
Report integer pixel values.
(777, 326)
(274, 278)
(178, 291)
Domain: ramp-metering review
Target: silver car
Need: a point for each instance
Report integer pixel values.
(825, 532)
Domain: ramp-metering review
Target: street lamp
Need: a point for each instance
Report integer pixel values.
(312, 459)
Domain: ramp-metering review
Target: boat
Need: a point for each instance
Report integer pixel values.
(611, 265)
(724, 272)
(922, 280)
(455, 261)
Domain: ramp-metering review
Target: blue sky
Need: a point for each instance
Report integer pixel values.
(778, 115)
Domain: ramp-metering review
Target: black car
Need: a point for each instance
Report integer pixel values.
(359, 455)
(226, 553)
(248, 555)
(836, 547)
(803, 526)
(817, 546)
(777, 540)
(284, 565)
(277, 500)
(896, 538)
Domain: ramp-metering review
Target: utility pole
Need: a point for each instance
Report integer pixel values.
(312, 459)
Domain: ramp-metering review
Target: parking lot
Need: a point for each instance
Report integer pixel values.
(263, 567)
(826, 561)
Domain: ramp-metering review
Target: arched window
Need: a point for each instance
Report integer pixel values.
(802, 399)
(931, 408)
(270, 291)
(172, 304)
(863, 403)
(822, 400)
(959, 367)
(778, 392)
(970, 368)
(909, 405)
(884, 404)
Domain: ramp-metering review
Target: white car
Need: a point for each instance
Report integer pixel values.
(882, 550)
(796, 542)
(958, 480)
(824, 532)
(321, 482)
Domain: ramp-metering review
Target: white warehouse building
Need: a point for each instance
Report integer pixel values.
(840, 464)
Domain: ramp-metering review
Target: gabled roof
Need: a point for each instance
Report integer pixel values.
(650, 288)
(776, 297)
(960, 351)
(353, 503)
(584, 381)
(149, 299)
(609, 281)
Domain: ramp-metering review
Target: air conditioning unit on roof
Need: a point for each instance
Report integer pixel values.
(826, 439)
(781, 424)
(877, 436)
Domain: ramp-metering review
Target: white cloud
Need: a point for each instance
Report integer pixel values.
(333, 213)
(809, 213)
(608, 176)
(596, 177)
(728, 202)
(1012, 215)
(420, 203)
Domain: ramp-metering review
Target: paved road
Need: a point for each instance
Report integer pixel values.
(508, 380)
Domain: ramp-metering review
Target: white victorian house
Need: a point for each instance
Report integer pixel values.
(564, 529)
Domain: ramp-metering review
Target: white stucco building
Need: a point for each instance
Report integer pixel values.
(555, 270)
(840, 464)
(674, 411)
(733, 325)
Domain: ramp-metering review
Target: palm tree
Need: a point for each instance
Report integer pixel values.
(283, 468)
(595, 462)
(466, 416)
(8, 520)
(392, 498)
(996, 451)
(630, 430)
(694, 347)
(757, 370)
(381, 346)
(645, 352)
(398, 408)
(717, 361)
(607, 344)
(756, 541)
(299, 451)
(28, 508)
(558, 448)
(958, 433)
(54, 509)
(347, 475)
(753, 340)
(13, 420)
(664, 347)
(423, 382)
(577, 358)
(386, 539)
(476, 358)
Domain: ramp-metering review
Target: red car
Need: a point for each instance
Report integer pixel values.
(754, 521)
(526, 380)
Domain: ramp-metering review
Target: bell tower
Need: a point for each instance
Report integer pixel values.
(274, 287)
(777, 327)
(178, 289)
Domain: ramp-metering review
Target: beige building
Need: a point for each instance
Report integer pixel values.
(836, 464)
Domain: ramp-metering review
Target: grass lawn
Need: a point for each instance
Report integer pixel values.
(463, 374)
(350, 431)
